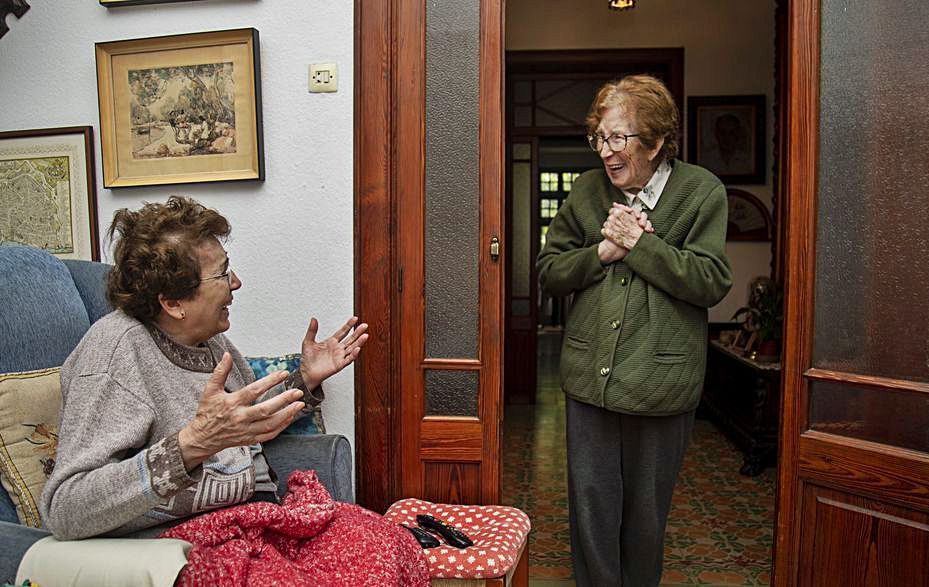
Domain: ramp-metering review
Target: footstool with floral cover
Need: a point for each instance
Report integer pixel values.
(500, 535)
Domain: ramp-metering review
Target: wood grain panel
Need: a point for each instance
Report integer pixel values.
(888, 473)
(376, 443)
(451, 439)
(451, 482)
(851, 541)
(800, 220)
(492, 225)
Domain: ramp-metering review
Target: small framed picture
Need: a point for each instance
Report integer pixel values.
(749, 219)
(48, 192)
(726, 134)
(180, 109)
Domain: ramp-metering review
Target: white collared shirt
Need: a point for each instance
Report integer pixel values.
(652, 191)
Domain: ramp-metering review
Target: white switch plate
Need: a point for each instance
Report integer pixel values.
(324, 77)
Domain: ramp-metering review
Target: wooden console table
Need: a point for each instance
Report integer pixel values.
(743, 396)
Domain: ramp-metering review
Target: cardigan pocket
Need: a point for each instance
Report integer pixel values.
(670, 358)
(577, 343)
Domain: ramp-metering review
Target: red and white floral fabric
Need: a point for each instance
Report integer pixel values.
(307, 540)
(498, 533)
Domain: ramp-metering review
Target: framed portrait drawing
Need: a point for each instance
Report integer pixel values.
(180, 109)
(48, 191)
(726, 134)
(749, 219)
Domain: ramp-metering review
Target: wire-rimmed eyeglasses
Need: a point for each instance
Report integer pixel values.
(617, 142)
(227, 276)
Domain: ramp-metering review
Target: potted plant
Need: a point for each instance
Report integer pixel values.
(764, 317)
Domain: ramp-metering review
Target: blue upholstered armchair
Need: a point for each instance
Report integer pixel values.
(46, 306)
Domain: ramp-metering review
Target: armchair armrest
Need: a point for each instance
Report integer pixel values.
(330, 455)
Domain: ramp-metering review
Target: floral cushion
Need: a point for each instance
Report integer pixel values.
(499, 533)
(312, 423)
(30, 407)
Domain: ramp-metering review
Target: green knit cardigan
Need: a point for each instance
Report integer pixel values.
(635, 340)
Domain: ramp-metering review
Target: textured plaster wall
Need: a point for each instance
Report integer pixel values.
(728, 49)
(292, 235)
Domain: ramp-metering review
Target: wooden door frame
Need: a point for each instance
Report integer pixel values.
(802, 149)
(377, 422)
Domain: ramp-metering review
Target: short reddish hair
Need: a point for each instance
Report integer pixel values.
(650, 102)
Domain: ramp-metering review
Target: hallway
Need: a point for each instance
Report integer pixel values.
(721, 524)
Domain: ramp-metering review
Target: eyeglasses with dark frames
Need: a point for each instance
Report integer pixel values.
(617, 142)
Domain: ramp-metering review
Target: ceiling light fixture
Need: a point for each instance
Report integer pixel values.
(621, 4)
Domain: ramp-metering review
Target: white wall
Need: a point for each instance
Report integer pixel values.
(728, 49)
(292, 236)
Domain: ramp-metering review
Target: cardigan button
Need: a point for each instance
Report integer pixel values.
(623, 281)
(614, 324)
(604, 371)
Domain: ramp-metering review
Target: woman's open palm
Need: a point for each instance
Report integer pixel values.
(324, 358)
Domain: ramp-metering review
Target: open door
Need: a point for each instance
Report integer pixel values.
(853, 504)
(429, 249)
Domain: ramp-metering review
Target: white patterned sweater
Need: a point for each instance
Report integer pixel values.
(127, 390)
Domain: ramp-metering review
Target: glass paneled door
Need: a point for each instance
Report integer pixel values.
(853, 505)
(449, 233)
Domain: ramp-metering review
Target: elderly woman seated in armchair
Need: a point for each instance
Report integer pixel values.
(162, 417)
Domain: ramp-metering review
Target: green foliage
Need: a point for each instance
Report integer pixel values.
(764, 314)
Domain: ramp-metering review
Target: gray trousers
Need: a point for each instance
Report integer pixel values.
(621, 475)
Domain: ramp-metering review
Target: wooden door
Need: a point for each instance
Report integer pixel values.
(429, 281)
(853, 503)
(449, 179)
(521, 282)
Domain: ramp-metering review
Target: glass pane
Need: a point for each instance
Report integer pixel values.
(872, 274)
(522, 228)
(522, 91)
(452, 178)
(451, 393)
(567, 180)
(898, 418)
(564, 102)
(522, 151)
(522, 116)
(549, 181)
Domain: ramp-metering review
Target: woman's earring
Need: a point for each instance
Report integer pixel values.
(183, 314)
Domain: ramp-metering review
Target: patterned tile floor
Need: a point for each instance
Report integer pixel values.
(721, 523)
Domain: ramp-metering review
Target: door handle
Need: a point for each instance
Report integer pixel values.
(494, 249)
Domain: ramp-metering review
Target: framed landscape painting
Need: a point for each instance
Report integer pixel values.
(48, 195)
(180, 109)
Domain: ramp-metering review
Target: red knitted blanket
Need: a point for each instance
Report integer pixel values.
(308, 540)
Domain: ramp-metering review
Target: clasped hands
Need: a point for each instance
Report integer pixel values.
(621, 231)
(225, 420)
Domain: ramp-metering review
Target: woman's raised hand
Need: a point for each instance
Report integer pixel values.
(224, 420)
(324, 358)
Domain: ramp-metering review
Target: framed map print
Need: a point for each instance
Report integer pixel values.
(48, 192)
(180, 109)
(749, 219)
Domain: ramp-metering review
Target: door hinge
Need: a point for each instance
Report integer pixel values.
(494, 249)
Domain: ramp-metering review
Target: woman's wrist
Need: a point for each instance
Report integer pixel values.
(192, 452)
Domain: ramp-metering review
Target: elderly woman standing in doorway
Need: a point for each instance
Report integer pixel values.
(641, 245)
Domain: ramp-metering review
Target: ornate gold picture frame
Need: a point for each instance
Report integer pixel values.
(180, 109)
(48, 191)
